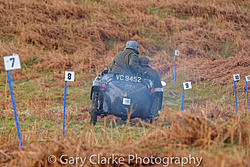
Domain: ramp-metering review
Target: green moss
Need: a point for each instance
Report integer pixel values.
(29, 62)
(6, 38)
(225, 49)
(9, 39)
(164, 13)
(111, 5)
(200, 94)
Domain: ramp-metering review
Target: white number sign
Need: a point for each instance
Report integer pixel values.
(176, 52)
(163, 83)
(69, 76)
(187, 85)
(12, 62)
(126, 101)
(248, 78)
(236, 77)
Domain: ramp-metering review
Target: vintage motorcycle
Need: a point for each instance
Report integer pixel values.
(120, 94)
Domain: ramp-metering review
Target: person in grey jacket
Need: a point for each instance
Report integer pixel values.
(127, 61)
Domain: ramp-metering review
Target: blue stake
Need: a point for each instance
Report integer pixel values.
(247, 95)
(235, 94)
(174, 68)
(12, 75)
(182, 103)
(14, 108)
(64, 107)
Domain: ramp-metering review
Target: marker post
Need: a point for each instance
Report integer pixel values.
(11, 63)
(186, 85)
(176, 53)
(13, 75)
(69, 76)
(182, 103)
(247, 79)
(236, 78)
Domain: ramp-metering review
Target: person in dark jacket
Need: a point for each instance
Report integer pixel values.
(127, 61)
(158, 90)
(149, 72)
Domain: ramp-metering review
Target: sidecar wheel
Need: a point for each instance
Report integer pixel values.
(93, 117)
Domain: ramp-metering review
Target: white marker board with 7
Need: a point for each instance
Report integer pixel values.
(12, 62)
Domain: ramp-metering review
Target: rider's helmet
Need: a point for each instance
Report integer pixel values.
(132, 45)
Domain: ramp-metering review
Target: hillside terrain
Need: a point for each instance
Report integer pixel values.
(86, 35)
(83, 36)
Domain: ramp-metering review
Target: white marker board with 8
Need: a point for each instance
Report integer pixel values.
(236, 77)
(69, 76)
(187, 85)
(12, 62)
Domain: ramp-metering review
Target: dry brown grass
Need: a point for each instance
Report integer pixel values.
(219, 142)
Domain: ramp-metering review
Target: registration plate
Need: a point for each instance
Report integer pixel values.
(126, 101)
(121, 77)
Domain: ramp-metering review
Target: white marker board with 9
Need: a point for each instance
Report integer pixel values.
(187, 85)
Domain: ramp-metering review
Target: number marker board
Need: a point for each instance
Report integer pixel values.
(186, 85)
(12, 62)
(69, 76)
(236, 78)
(247, 80)
(176, 53)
